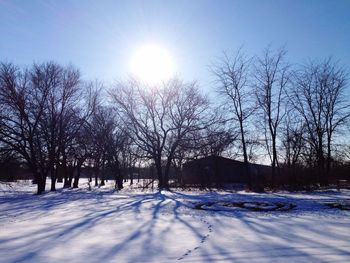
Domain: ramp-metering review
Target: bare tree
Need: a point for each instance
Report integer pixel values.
(232, 78)
(63, 94)
(118, 154)
(37, 103)
(293, 139)
(159, 117)
(272, 77)
(319, 97)
(103, 124)
(293, 144)
(81, 150)
(215, 139)
(337, 104)
(23, 105)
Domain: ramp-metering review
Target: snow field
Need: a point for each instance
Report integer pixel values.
(102, 225)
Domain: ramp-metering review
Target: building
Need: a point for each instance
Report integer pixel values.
(216, 171)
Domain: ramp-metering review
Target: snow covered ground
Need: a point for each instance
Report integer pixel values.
(77, 225)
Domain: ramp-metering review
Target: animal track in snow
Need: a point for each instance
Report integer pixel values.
(203, 239)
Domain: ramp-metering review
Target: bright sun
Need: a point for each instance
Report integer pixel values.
(152, 64)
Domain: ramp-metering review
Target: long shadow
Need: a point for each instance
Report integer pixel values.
(283, 232)
(172, 207)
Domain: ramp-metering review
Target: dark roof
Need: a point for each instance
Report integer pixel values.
(227, 160)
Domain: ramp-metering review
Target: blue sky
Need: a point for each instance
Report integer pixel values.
(99, 37)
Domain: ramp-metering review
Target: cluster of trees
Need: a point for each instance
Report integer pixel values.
(40, 117)
(55, 122)
(299, 114)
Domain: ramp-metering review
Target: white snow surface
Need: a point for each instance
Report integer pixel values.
(103, 225)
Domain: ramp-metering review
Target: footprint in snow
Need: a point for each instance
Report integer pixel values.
(202, 240)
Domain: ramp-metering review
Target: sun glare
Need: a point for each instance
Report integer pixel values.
(152, 64)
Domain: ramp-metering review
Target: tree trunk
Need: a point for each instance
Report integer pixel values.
(274, 161)
(65, 172)
(329, 159)
(70, 176)
(53, 184)
(118, 176)
(59, 178)
(103, 174)
(245, 156)
(41, 183)
(39, 180)
(77, 176)
(53, 178)
(321, 163)
(97, 171)
(131, 175)
(158, 165)
(139, 172)
(166, 172)
(321, 170)
(120, 180)
(90, 176)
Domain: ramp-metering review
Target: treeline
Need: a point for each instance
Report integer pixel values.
(297, 116)
(298, 113)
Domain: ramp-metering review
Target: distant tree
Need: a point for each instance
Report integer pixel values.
(215, 139)
(293, 144)
(81, 150)
(234, 86)
(118, 154)
(272, 76)
(319, 97)
(293, 139)
(103, 125)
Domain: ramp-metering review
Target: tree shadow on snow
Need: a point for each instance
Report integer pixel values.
(83, 215)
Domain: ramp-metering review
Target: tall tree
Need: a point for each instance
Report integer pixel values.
(159, 117)
(272, 77)
(63, 94)
(23, 105)
(36, 104)
(319, 97)
(234, 86)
